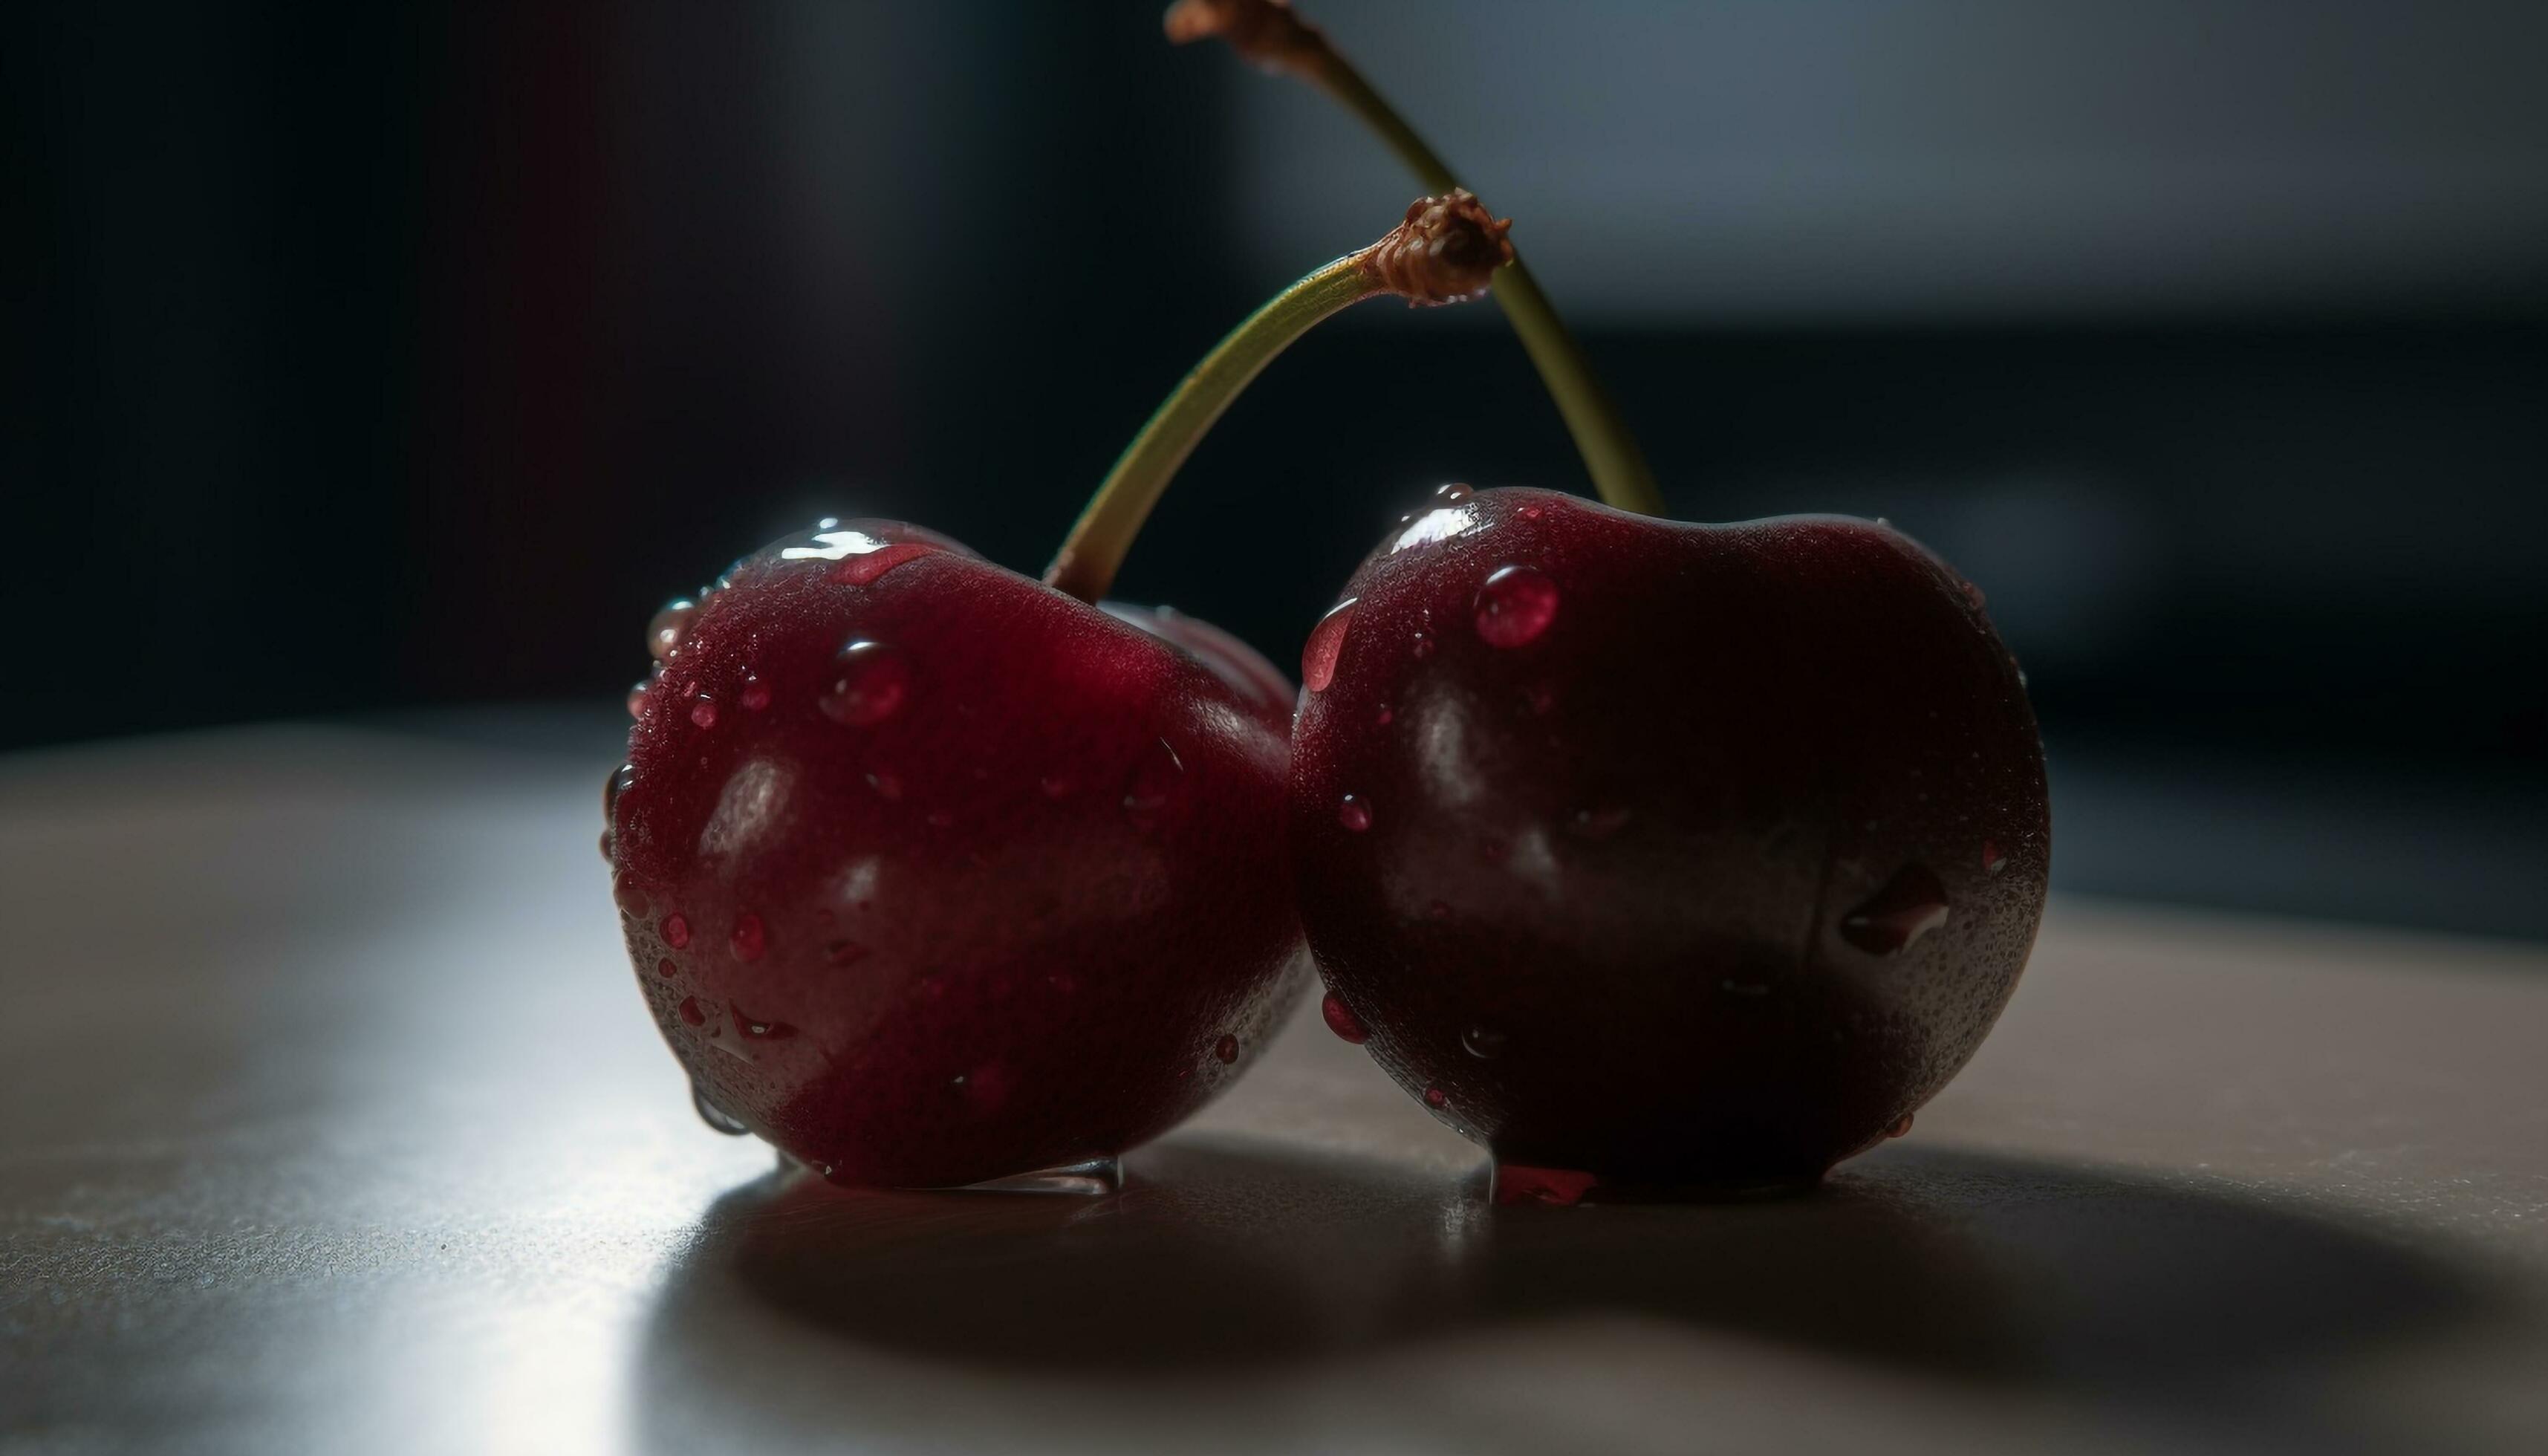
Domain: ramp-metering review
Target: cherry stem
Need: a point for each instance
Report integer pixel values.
(1267, 33)
(1448, 251)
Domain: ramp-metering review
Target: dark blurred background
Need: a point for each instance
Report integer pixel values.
(382, 359)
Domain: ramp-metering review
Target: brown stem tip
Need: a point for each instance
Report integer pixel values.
(1263, 32)
(1446, 251)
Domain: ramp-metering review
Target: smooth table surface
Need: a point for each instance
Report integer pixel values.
(336, 1126)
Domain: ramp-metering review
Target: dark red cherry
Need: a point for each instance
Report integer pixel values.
(1671, 854)
(933, 874)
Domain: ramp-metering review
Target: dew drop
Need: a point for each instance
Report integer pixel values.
(621, 780)
(664, 634)
(1902, 1125)
(1326, 639)
(1353, 814)
(677, 931)
(692, 1012)
(1483, 1042)
(755, 694)
(1422, 647)
(870, 682)
(714, 1116)
(1226, 1049)
(629, 895)
(1341, 1019)
(609, 847)
(1153, 783)
(1384, 717)
(1993, 859)
(1452, 493)
(1910, 905)
(749, 939)
(1974, 597)
(1530, 512)
(703, 711)
(1515, 606)
(757, 1030)
(1558, 1187)
(1435, 1097)
(637, 696)
(845, 953)
(862, 568)
(666, 969)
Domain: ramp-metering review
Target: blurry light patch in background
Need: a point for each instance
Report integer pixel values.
(1874, 159)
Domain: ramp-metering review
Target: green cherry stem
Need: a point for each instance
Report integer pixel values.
(1448, 251)
(1269, 34)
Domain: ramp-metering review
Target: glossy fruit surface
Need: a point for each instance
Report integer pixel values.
(933, 875)
(1672, 855)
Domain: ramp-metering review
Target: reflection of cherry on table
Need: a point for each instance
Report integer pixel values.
(334, 1125)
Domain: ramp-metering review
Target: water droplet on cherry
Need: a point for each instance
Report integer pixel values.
(677, 931)
(628, 893)
(1354, 814)
(1326, 639)
(664, 634)
(1910, 905)
(703, 711)
(1993, 859)
(1483, 1042)
(1341, 1019)
(691, 1012)
(1435, 1097)
(1902, 1125)
(666, 969)
(870, 682)
(1227, 1049)
(1153, 783)
(1557, 1187)
(754, 1028)
(621, 780)
(714, 1116)
(749, 939)
(1515, 606)
(1452, 493)
(637, 696)
(1384, 717)
(1422, 646)
(755, 694)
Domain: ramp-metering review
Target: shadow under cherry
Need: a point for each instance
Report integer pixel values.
(1235, 1254)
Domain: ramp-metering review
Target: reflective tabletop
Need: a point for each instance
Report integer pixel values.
(337, 1126)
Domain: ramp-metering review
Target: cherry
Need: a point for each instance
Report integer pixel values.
(935, 875)
(1653, 856)
(1674, 854)
(982, 883)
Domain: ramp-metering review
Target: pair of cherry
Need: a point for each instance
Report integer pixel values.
(1651, 854)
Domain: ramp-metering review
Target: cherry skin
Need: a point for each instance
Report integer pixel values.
(933, 875)
(1667, 856)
